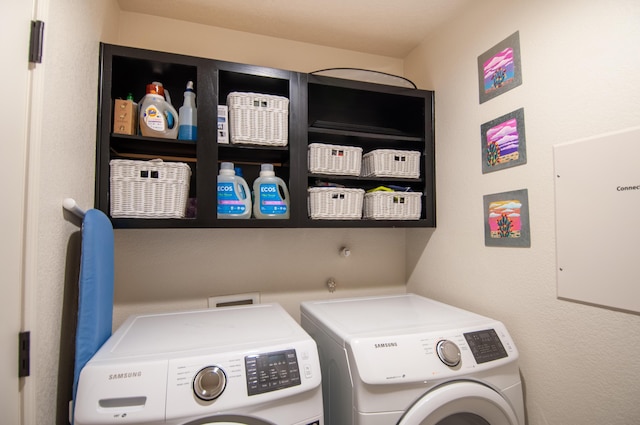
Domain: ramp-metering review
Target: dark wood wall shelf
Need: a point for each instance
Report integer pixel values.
(321, 109)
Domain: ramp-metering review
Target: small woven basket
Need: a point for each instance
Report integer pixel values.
(333, 203)
(148, 189)
(391, 163)
(334, 159)
(384, 205)
(258, 119)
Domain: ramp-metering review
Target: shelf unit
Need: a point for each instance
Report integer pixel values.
(321, 109)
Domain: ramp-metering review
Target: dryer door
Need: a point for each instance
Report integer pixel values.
(460, 403)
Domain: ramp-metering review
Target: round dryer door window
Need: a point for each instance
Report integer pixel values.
(460, 403)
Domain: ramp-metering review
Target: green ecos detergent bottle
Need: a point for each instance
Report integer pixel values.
(271, 197)
(234, 197)
(158, 118)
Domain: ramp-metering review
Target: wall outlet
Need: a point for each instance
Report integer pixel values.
(235, 299)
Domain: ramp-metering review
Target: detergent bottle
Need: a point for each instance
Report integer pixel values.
(157, 115)
(271, 196)
(234, 199)
(188, 116)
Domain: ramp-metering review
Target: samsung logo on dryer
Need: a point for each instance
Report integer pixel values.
(385, 344)
(125, 375)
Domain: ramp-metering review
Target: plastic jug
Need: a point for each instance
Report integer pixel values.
(271, 196)
(157, 116)
(188, 116)
(234, 200)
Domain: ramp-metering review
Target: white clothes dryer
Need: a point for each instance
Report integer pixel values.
(410, 360)
(250, 365)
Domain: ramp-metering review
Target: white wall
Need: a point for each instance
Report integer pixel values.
(161, 270)
(579, 363)
(61, 164)
(581, 77)
(170, 35)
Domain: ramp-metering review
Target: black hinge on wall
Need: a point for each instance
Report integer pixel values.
(36, 41)
(24, 353)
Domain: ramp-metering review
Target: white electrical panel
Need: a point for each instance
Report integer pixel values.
(597, 189)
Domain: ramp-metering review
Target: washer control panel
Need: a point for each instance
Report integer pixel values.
(272, 371)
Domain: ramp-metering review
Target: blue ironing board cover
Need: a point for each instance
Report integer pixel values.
(95, 298)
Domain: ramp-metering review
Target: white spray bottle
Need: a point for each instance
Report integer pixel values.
(188, 115)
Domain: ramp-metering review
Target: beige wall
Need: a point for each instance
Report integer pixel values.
(581, 77)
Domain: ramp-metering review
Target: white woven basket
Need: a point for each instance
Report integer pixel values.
(384, 205)
(258, 119)
(333, 203)
(149, 189)
(334, 159)
(391, 163)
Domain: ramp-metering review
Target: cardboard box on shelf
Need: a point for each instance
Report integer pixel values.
(125, 117)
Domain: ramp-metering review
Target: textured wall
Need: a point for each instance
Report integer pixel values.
(581, 77)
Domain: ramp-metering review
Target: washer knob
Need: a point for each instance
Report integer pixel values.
(448, 352)
(209, 383)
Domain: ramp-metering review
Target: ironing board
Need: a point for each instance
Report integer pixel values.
(95, 297)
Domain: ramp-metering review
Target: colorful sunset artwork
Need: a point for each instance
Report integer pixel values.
(502, 143)
(499, 68)
(504, 218)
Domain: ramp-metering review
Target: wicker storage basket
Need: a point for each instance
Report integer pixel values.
(334, 159)
(391, 163)
(335, 203)
(258, 119)
(149, 189)
(384, 205)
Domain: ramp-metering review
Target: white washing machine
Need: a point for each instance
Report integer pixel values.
(409, 360)
(251, 365)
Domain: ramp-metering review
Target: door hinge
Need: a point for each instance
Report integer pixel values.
(36, 41)
(24, 353)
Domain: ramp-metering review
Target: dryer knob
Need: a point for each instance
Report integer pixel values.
(448, 352)
(209, 383)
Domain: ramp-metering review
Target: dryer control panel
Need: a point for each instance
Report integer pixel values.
(428, 356)
(485, 345)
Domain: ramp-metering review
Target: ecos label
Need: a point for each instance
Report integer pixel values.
(271, 201)
(228, 200)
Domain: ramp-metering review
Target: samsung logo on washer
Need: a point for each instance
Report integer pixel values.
(125, 375)
(385, 344)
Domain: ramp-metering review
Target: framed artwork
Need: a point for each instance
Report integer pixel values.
(506, 219)
(499, 68)
(503, 142)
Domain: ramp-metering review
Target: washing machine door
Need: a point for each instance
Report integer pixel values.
(460, 403)
(229, 420)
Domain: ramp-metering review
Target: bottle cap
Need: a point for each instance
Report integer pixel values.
(226, 166)
(155, 88)
(189, 85)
